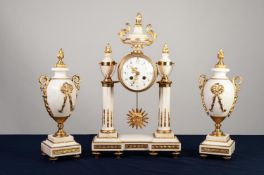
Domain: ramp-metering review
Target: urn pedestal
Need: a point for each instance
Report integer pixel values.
(56, 147)
(220, 145)
(59, 94)
(164, 132)
(219, 96)
(107, 66)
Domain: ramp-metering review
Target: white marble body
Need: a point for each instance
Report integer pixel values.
(55, 97)
(107, 70)
(165, 68)
(108, 109)
(164, 109)
(137, 34)
(227, 97)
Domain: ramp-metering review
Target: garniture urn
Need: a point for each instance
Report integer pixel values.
(60, 93)
(165, 65)
(107, 65)
(219, 94)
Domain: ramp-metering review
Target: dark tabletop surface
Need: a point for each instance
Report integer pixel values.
(20, 154)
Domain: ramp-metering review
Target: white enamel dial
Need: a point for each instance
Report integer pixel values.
(137, 73)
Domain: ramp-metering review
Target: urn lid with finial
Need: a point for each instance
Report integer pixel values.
(220, 69)
(220, 56)
(60, 56)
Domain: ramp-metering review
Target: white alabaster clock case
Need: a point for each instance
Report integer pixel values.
(137, 73)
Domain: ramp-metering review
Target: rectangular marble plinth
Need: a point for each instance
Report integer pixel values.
(66, 139)
(107, 135)
(224, 138)
(135, 142)
(164, 134)
(217, 146)
(57, 148)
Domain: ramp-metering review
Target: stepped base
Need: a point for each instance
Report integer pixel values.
(217, 145)
(56, 147)
(134, 142)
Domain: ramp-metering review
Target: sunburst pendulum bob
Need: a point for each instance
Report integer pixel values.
(137, 117)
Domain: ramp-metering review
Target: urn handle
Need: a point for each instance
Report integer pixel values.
(124, 32)
(76, 80)
(44, 82)
(202, 81)
(237, 81)
(151, 33)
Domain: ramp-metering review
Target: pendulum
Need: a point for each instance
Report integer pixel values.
(137, 117)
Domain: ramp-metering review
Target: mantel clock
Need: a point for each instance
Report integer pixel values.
(137, 72)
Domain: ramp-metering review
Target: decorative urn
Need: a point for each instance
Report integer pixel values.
(165, 64)
(107, 65)
(59, 94)
(219, 95)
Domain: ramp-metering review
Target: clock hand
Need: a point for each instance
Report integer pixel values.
(135, 78)
(137, 73)
(133, 69)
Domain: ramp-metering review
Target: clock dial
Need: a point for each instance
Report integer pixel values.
(137, 72)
